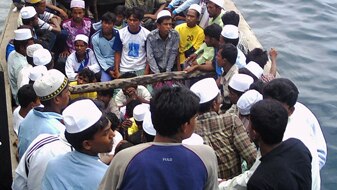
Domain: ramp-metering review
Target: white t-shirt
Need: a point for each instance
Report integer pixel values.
(141, 92)
(17, 119)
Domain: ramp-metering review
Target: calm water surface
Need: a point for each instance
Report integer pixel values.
(305, 34)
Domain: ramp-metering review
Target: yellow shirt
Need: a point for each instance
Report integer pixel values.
(92, 95)
(134, 128)
(189, 37)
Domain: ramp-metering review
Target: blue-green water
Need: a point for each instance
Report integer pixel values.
(305, 34)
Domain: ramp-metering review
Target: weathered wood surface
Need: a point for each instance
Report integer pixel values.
(140, 80)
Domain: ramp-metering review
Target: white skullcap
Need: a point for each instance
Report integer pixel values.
(41, 57)
(28, 12)
(194, 139)
(148, 126)
(77, 4)
(32, 48)
(230, 31)
(80, 115)
(240, 82)
(218, 2)
(163, 13)
(206, 89)
(37, 72)
(255, 69)
(82, 37)
(195, 7)
(23, 34)
(140, 110)
(50, 85)
(247, 100)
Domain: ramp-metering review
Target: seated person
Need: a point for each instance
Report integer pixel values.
(106, 96)
(82, 58)
(84, 77)
(120, 17)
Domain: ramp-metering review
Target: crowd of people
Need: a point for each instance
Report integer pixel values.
(242, 128)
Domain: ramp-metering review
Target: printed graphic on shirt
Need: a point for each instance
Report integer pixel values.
(133, 50)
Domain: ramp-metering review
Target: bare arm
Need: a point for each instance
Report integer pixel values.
(273, 55)
(117, 63)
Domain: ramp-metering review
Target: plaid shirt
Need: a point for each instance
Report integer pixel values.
(226, 134)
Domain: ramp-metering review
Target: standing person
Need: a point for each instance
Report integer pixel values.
(102, 42)
(52, 89)
(191, 35)
(162, 44)
(173, 113)
(89, 131)
(225, 133)
(129, 46)
(284, 165)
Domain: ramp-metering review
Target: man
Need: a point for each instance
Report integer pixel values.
(129, 46)
(173, 113)
(85, 76)
(89, 132)
(102, 42)
(284, 165)
(82, 57)
(191, 35)
(162, 44)
(214, 9)
(17, 58)
(52, 89)
(225, 133)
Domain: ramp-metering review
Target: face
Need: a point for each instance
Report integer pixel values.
(107, 27)
(105, 99)
(222, 41)
(80, 47)
(82, 80)
(212, 9)
(40, 7)
(233, 97)
(209, 41)
(165, 27)
(119, 19)
(77, 14)
(63, 97)
(133, 23)
(103, 140)
(191, 18)
(219, 59)
(36, 21)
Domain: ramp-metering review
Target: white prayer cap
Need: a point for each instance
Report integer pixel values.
(230, 31)
(206, 89)
(247, 100)
(218, 2)
(32, 48)
(80, 115)
(77, 4)
(51, 84)
(163, 13)
(37, 72)
(140, 110)
(28, 12)
(195, 7)
(254, 68)
(194, 139)
(41, 57)
(23, 34)
(82, 37)
(240, 82)
(148, 126)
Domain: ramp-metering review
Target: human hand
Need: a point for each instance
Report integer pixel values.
(116, 74)
(65, 54)
(126, 124)
(63, 14)
(273, 53)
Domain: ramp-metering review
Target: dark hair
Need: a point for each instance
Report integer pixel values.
(230, 17)
(198, 14)
(86, 72)
(245, 71)
(283, 90)
(130, 106)
(259, 56)
(213, 31)
(28, 20)
(257, 85)
(231, 41)
(108, 92)
(229, 52)
(26, 95)
(19, 43)
(120, 10)
(122, 145)
(206, 106)
(136, 12)
(109, 17)
(269, 118)
(161, 19)
(239, 93)
(171, 108)
(127, 75)
(76, 139)
(113, 119)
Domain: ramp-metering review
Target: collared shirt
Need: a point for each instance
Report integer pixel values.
(72, 64)
(217, 20)
(74, 170)
(16, 62)
(226, 134)
(38, 122)
(72, 31)
(162, 53)
(103, 50)
(149, 6)
(225, 79)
